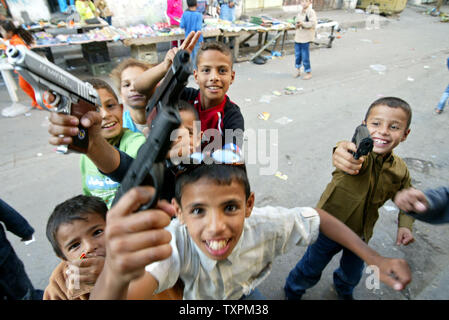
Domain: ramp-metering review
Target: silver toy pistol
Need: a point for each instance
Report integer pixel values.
(72, 96)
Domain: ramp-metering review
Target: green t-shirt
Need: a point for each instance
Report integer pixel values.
(96, 184)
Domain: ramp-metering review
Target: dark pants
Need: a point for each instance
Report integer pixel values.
(302, 56)
(14, 282)
(308, 270)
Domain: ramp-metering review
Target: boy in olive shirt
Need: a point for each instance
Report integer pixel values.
(357, 190)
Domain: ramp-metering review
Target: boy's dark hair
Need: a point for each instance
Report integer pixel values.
(8, 25)
(116, 74)
(101, 84)
(214, 45)
(191, 3)
(392, 102)
(185, 106)
(222, 174)
(75, 208)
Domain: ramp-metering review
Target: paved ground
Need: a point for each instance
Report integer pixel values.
(413, 49)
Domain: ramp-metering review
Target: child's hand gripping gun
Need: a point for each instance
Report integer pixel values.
(362, 139)
(162, 117)
(71, 95)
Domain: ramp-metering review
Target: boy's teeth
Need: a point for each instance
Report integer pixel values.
(217, 245)
(380, 141)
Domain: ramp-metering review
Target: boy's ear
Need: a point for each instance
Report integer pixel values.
(177, 209)
(195, 75)
(249, 205)
(406, 133)
(232, 76)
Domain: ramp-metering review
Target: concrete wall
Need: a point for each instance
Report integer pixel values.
(128, 13)
(36, 9)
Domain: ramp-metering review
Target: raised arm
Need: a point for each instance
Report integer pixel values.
(148, 80)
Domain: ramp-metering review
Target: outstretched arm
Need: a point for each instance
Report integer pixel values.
(393, 272)
(63, 127)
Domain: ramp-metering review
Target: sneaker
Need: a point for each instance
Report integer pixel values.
(15, 110)
(297, 73)
(307, 76)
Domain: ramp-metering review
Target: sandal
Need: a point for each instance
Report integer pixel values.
(438, 111)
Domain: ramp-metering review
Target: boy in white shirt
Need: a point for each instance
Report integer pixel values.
(217, 248)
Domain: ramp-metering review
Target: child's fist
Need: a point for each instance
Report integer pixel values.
(411, 200)
(136, 239)
(395, 273)
(342, 159)
(404, 236)
(89, 268)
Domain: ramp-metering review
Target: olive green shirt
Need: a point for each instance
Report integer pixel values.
(356, 199)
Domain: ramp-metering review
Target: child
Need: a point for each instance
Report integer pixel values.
(305, 33)
(214, 74)
(216, 248)
(192, 20)
(86, 9)
(174, 14)
(104, 11)
(111, 112)
(125, 75)
(431, 206)
(75, 230)
(111, 164)
(14, 281)
(355, 199)
(226, 9)
(202, 6)
(19, 36)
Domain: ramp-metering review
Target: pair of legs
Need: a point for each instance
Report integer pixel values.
(308, 270)
(302, 56)
(443, 100)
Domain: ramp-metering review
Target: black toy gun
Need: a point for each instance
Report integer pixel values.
(72, 96)
(149, 165)
(362, 139)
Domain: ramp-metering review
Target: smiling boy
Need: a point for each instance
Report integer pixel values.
(214, 75)
(220, 246)
(357, 190)
(75, 230)
(95, 183)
